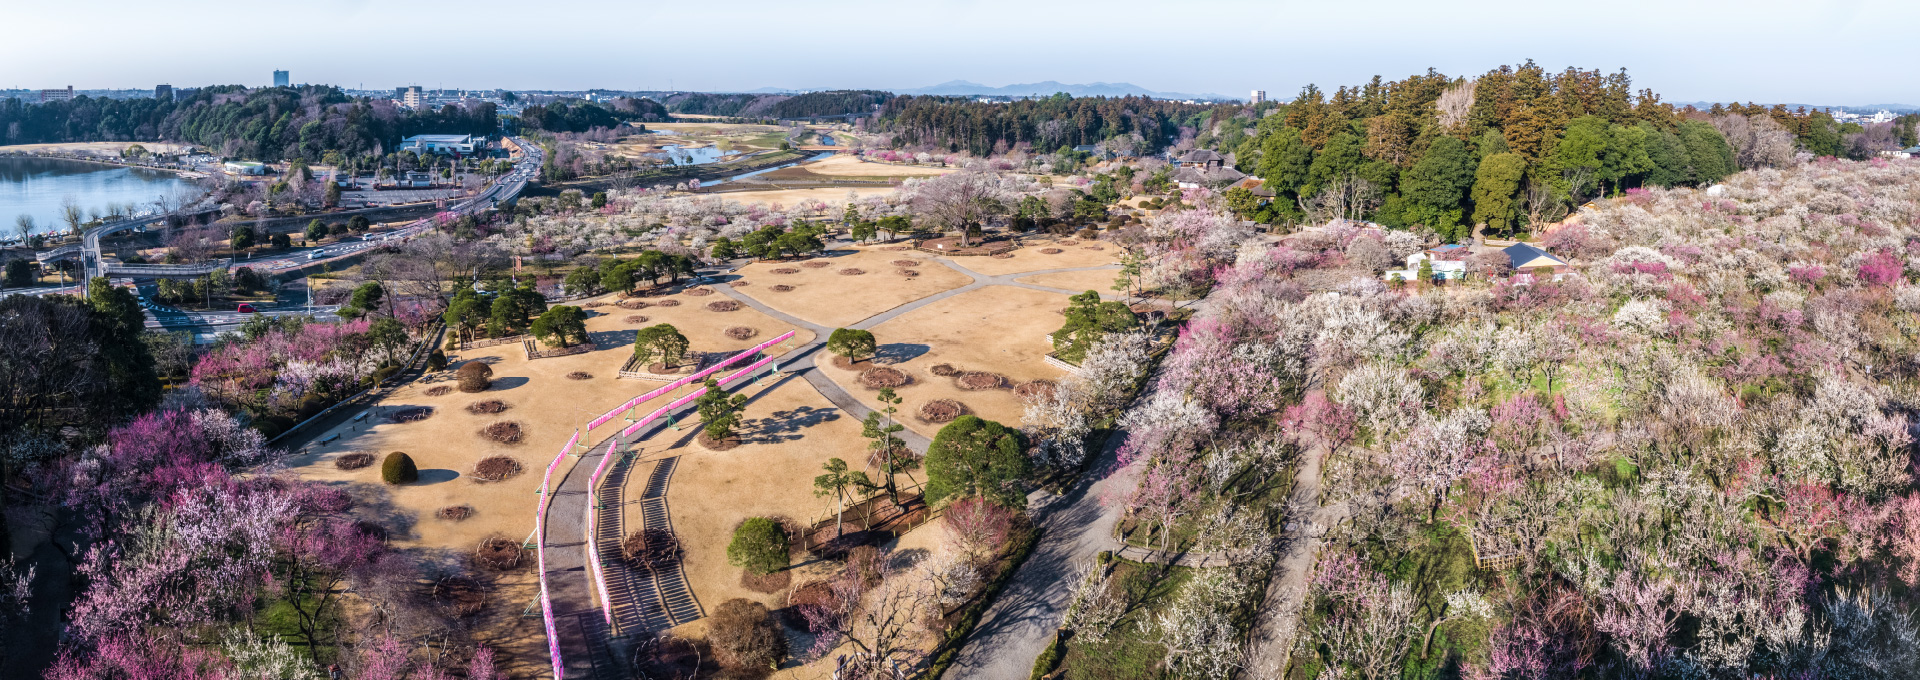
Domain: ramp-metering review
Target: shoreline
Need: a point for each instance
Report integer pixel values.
(196, 174)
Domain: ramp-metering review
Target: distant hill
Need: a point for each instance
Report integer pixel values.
(1862, 108)
(1044, 88)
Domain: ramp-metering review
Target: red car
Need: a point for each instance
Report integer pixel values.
(246, 308)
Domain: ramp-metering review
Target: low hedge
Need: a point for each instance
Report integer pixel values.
(1050, 659)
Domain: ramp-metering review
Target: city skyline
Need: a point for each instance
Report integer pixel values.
(1692, 53)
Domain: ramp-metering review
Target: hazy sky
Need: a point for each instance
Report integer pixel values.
(1810, 51)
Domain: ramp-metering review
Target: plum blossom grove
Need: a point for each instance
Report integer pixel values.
(189, 542)
(276, 371)
(1691, 458)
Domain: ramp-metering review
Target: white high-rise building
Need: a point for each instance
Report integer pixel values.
(1258, 96)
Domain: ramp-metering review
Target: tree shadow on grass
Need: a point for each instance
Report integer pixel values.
(374, 502)
(507, 383)
(899, 352)
(784, 426)
(611, 339)
(436, 476)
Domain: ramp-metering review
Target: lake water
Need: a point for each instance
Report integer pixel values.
(676, 154)
(37, 187)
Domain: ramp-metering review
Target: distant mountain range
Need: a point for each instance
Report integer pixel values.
(1863, 108)
(1044, 88)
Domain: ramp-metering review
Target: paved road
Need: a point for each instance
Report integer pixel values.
(1022, 620)
(1074, 528)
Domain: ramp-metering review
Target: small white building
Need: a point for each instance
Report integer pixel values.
(441, 144)
(1442, 269)
(245, 167)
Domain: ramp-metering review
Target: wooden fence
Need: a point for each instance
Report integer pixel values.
(466, 344)
(534, 353)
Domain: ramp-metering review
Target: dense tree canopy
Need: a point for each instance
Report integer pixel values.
(273, 123)
(962, 124)
(581, 116)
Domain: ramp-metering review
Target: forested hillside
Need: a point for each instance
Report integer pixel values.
(581, 116)
(1514, 147)
(980, 128)
(263, 123)
(703, 104)
(832, 103)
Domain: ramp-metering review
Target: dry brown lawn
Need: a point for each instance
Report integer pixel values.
(830, 195)
(548, 406)
(826, 297)
(1029, 258)
(790, 431)
(999, 329)
(1092, 279)
(846, 165)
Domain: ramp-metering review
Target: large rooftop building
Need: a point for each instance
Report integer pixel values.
(281, 79)
(442, 144)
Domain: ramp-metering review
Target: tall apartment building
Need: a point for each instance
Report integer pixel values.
(1258, 96)
(280, 79)
(163, 92)
(56, 95)
(413, 97)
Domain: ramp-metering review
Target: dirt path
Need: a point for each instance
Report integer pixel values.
(1278, 624)
(1073, 528)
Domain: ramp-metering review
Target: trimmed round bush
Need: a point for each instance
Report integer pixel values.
(475, 377)
(741, 332)
(852, 271)
(723, 305)
(669, 302)
(944, 370)
(398, 468)
(759, 545)
(437, 361)
(439, 390)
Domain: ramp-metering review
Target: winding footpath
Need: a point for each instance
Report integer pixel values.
(651, 601)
